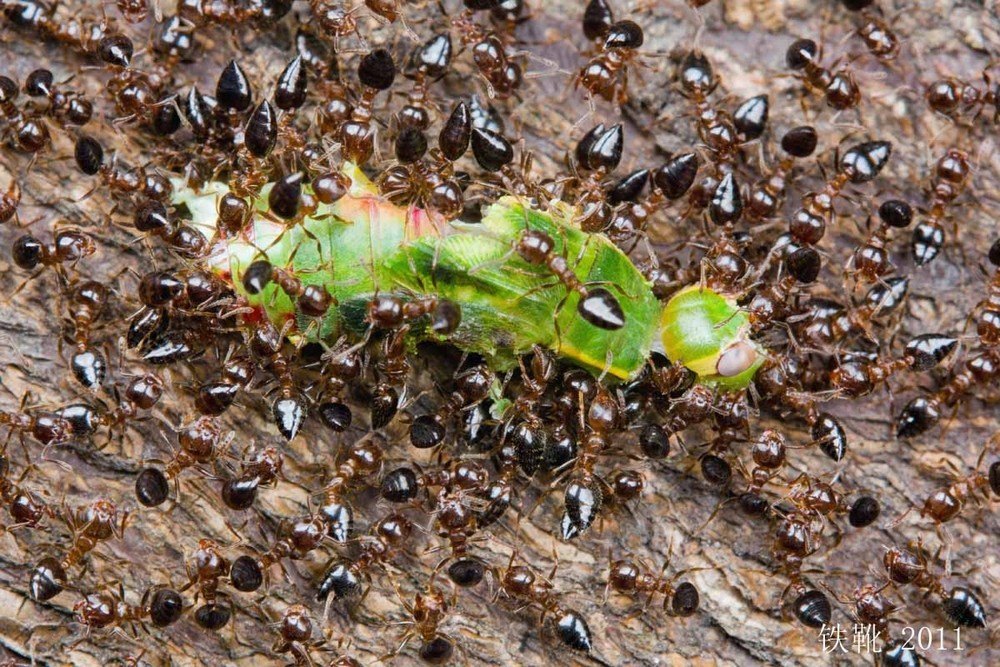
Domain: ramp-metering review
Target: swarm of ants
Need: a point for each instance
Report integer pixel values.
(185, 480)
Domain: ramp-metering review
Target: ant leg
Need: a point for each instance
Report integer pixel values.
(718, 508)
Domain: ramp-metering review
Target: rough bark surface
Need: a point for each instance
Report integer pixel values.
(729, 557)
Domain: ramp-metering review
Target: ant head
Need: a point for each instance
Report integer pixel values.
(708, 334)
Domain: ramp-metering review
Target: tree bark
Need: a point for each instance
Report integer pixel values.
(728, 557)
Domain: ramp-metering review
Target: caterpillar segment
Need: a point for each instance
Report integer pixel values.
(363, 245)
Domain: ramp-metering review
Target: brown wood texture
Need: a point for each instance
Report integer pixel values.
(740, 622)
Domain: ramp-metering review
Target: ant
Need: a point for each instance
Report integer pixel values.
(924, 412)
(337, 21)
(944, 504)
(294, 631)
(201, 442)
(151, 217)
(259, 138)
(292, 86)
(585, 494)
(668, 182)
(118, 177)
(598, 154)
(856, 378)
(828, 322)
(597, 306)
(693, 406)
(859, 164)
(794, 541)
(68, 107)
(431, 185)
(46, 427)
(312, 300)
(214, 398)
(826, 431)
(951, 174)
(520, 584)
(955, 98)
(630, 211)
(160, 605)
(165, 339)
(394, 314)
(839, 88)
(597, 18)
(718, 191)
(870, 260)
(233, 97)
(456, 511)
(960, 604)
(376, 71)
(879, 38)
(871, 607)
(205, 570)
(10, 199)
(71, 30)
(69, 246)
(296, 539)
(629, 577)
(134, 11)
(234, 13)
(354, 464)
(141, 393)
(390, 10)
(717, 129)
(768, 454)
(24, 507)
(240, 491)
(344, 577)
(87, 300)
(472, 387)
(198, 110)
(136, 94)
(288, 410)
(766, 195)
(494, 153)
(175, 41)
(774, 301)
(503, 76)
(606, 75)
(410, 180)
(338, 372)
(428, 611)
(815, 499)
(90, 525)
(26, 133)
(526, 436)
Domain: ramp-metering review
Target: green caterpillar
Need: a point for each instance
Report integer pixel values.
(363, 245)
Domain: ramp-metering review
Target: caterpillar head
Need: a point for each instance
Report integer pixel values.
(709, 334)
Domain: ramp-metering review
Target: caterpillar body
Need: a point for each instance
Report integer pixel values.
(363, 245)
